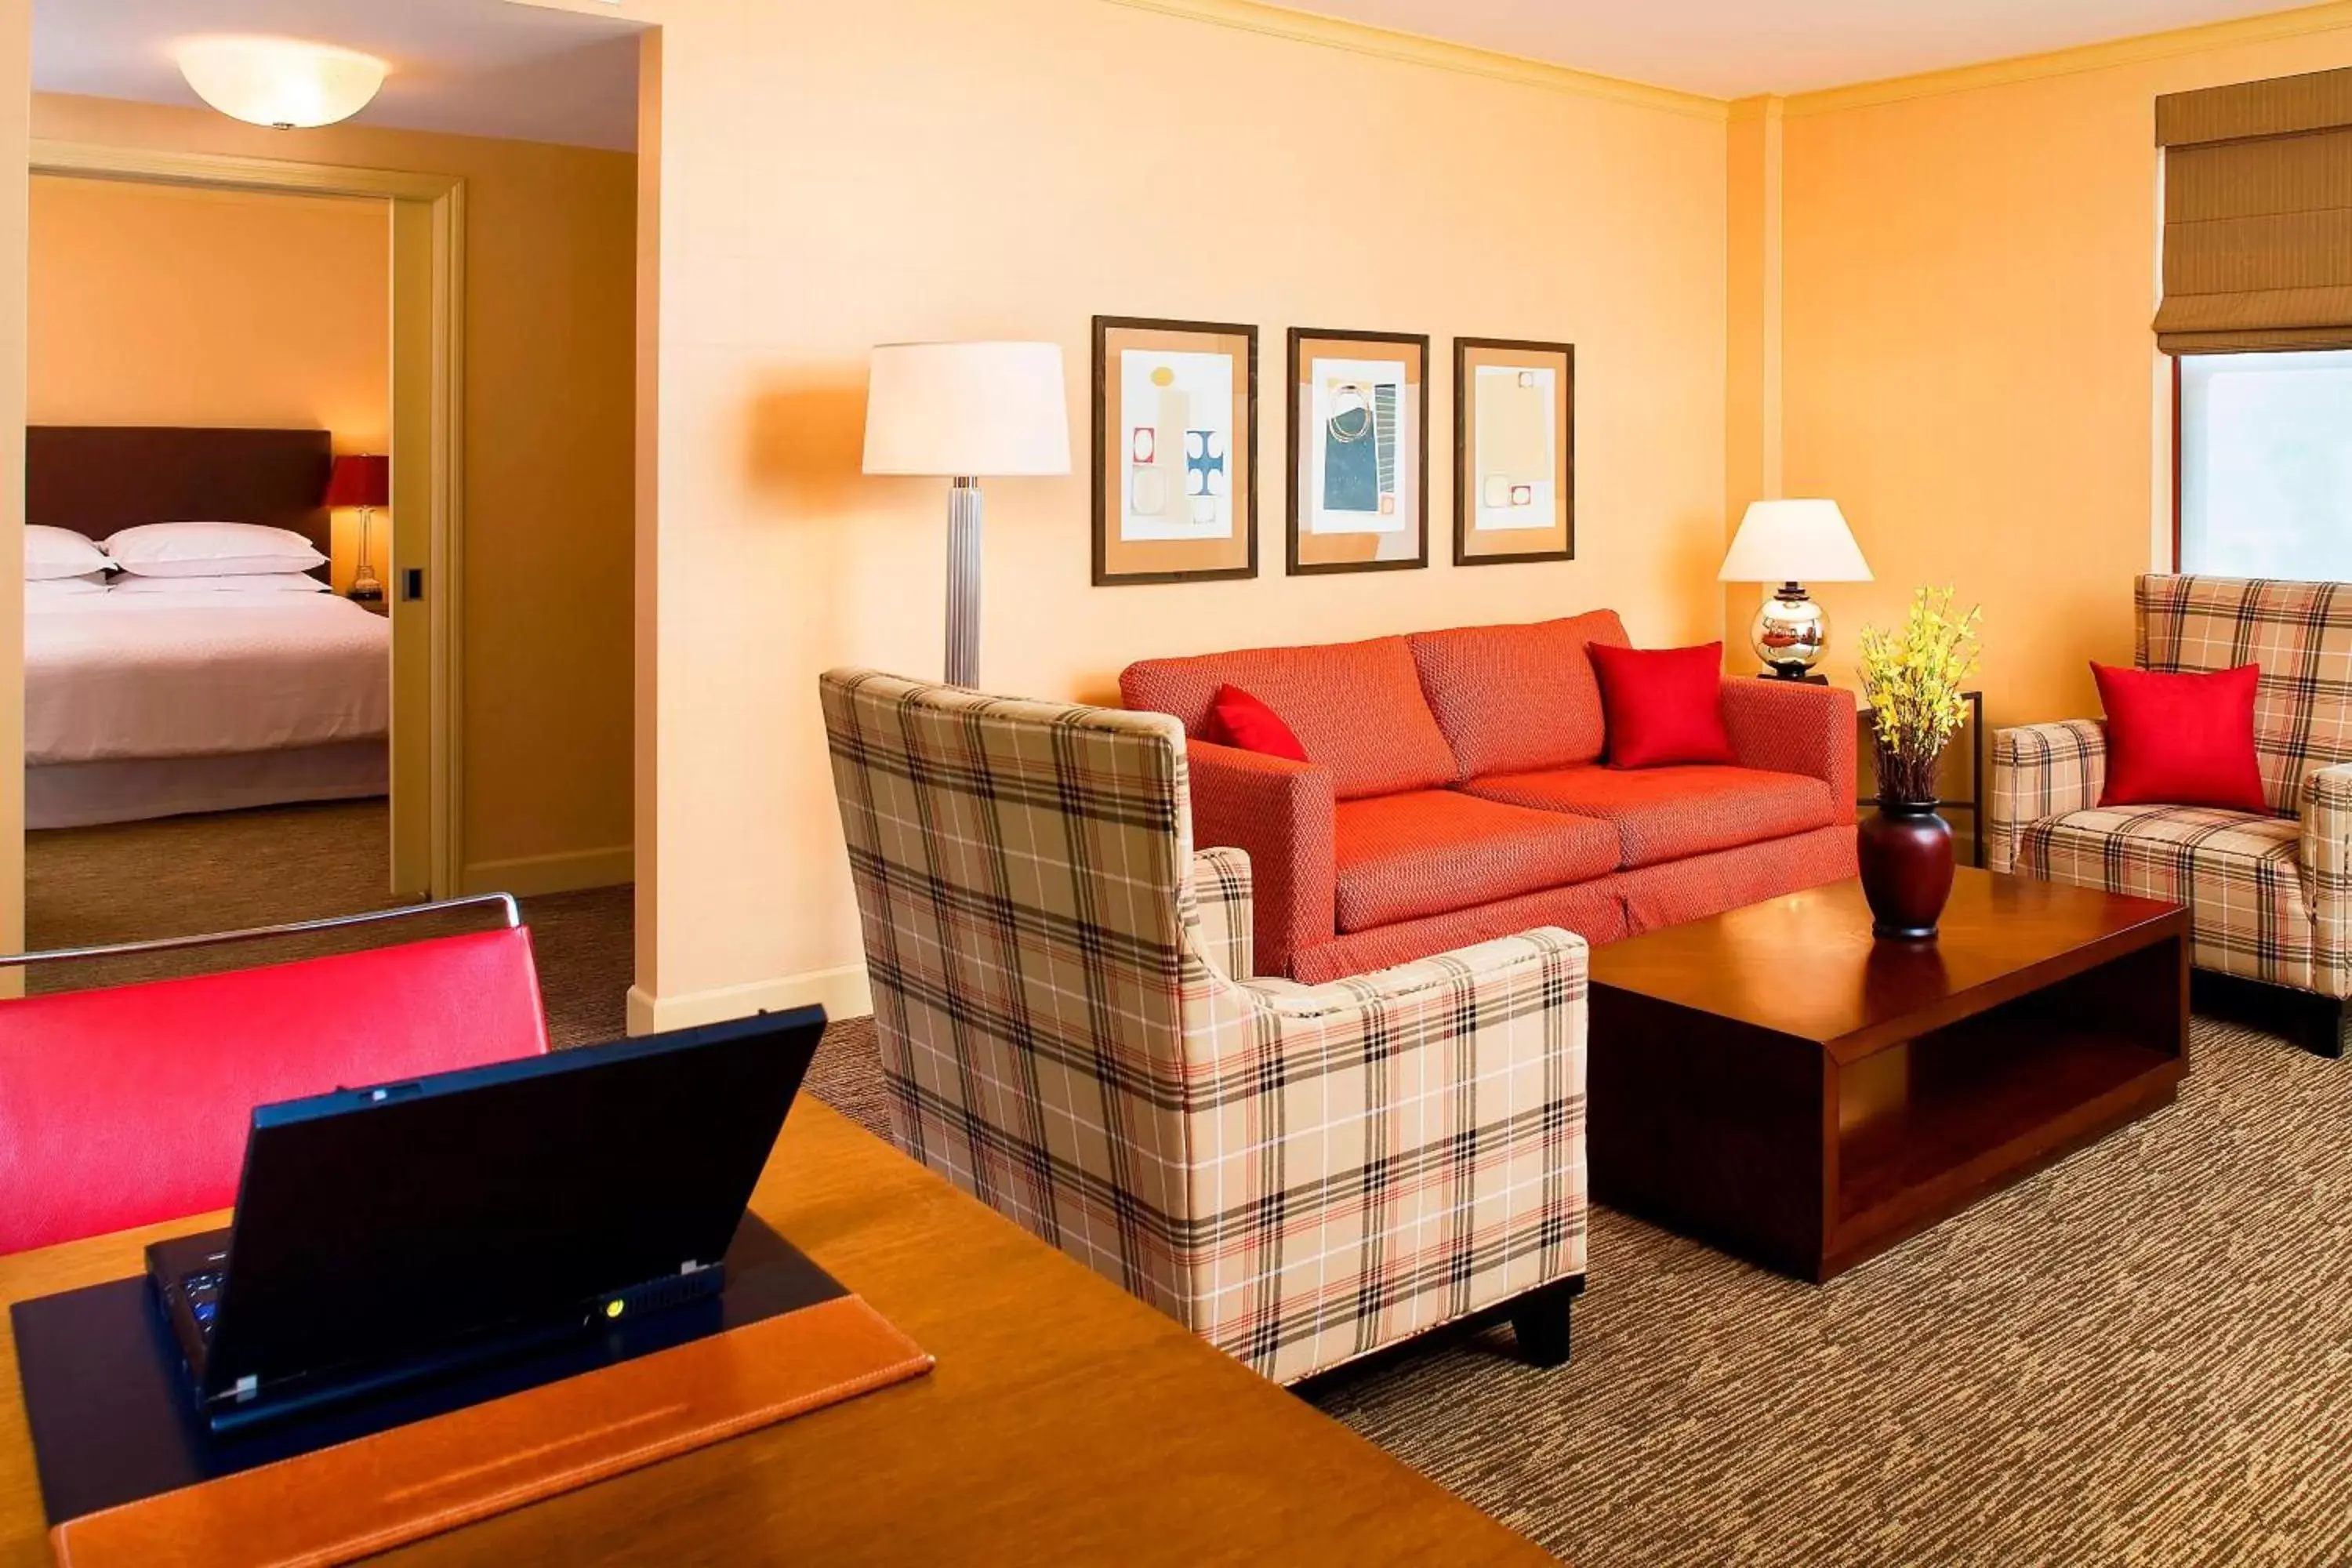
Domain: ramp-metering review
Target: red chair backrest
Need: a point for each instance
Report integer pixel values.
(126, 1106)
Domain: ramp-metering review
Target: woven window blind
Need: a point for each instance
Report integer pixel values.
(2257, 216)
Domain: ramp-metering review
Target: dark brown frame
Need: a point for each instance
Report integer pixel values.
(1103, 327)
(1291, 563)
(1461, 449)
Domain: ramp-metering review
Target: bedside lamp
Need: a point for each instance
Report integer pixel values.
(1792, 543)
(961, 412)
(364, 481)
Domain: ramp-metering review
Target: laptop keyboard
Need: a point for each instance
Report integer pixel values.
(203, 1292)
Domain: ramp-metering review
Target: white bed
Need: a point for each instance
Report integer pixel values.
(149, 705)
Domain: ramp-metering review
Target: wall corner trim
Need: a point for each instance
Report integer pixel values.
(2266, 28)
(1412, 49)
(843, 993)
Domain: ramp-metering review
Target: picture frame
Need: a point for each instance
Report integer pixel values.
(1358, 421)
(1514, 451)
(1175, 450)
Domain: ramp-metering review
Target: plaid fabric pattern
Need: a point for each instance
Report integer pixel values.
(2300, 633)
(2039, 772)
(2239, 874)
(1301, 1174)
(2326, 850)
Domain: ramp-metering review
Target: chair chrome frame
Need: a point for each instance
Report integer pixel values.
(257, 933)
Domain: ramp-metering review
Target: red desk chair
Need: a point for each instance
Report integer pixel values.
(126, 1106)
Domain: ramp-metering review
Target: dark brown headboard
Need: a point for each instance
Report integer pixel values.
(97, 478)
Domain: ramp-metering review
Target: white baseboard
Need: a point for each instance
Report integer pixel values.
(842, 992)
(569, 872)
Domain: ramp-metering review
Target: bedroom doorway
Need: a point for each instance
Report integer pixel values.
(409, 849)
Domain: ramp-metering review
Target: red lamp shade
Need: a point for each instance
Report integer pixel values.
(360, 479)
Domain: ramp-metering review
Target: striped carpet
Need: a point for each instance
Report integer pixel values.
(2142, 1356)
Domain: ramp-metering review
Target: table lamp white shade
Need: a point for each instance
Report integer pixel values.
(966, 410)
(1794, 542)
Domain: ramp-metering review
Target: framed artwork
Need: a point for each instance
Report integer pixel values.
(1175, 452)
(1359, 451)
(1514, 451)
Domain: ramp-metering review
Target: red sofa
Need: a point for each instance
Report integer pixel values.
(1455, 792)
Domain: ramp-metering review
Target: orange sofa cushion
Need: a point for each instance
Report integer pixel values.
(1401, 857)
(1669, 813)
(1515, 699)
(1355, 708)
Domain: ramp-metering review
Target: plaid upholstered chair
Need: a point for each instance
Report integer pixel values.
(2269, 894)
(1070, 1031)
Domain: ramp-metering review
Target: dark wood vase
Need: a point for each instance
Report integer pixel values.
(1907, 867)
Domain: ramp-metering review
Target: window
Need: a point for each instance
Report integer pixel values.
(2265, 480)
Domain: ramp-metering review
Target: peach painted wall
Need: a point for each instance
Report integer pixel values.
(175, 305)
(1969, 370)
(169, 305)
(549, 464)
(827, 179)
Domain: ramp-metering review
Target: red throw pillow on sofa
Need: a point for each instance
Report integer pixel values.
(2180, 740)
(1247, 722)
(1662, 705)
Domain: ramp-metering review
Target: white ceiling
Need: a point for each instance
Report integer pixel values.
(476, 68)
(1731, 48)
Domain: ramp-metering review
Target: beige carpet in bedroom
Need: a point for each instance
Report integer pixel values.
(180, 876)
(2142, 1356)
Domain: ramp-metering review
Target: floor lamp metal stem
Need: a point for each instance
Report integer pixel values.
(963, 583)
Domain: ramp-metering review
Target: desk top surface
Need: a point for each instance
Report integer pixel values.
(1066, 1421)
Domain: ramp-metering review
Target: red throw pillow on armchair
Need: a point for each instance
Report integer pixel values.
(2180, 740)
(1250, 724)
(1662, 705)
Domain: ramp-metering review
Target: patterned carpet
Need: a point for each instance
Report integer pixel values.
(2143, 1356)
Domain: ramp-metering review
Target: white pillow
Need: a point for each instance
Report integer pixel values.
(53, 553)
(244, 582)
(210, 550)
(65, 587)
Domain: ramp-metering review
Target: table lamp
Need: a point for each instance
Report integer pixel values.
(1792, 543)
(363, 480)
(964, 412)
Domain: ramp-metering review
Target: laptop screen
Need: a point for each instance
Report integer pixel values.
(372, 1224)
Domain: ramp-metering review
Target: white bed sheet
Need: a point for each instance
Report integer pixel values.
(115, 676)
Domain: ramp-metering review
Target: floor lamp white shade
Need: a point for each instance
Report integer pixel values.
(966, 412)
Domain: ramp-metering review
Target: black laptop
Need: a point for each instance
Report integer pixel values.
(403, 1231)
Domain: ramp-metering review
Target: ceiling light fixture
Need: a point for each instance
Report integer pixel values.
(280, 82)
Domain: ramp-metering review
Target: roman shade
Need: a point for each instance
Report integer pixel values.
(2257, 216)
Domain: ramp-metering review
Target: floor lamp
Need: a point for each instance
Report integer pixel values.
(964, 412)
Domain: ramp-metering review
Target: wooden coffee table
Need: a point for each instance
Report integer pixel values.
(1777, 1083)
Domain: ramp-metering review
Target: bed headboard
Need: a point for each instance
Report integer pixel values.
(97, 478)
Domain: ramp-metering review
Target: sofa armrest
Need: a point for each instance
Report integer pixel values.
(2327, 852)
(1219, 913)
(1281, 815)
(2039, 772)
(1789, 727)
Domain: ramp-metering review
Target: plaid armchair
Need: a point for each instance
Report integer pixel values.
(2269, 894)
(1071, 1032)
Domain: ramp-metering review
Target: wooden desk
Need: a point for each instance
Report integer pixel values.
(1065, 1422)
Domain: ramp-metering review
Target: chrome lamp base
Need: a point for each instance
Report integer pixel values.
(963, 583)
(1789, 632)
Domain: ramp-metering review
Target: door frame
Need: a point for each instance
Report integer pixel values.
(427, 256)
